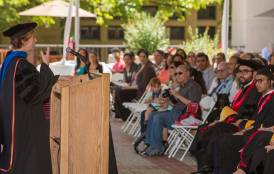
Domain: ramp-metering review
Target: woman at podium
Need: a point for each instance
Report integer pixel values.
(24, 134)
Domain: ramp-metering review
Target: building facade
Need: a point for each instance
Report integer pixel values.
(250, 31)
(100, 38)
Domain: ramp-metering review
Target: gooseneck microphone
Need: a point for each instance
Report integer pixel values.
(82, 58)
(78, 55)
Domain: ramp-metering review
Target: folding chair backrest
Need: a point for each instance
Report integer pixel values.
(206, 113)
(142, 99)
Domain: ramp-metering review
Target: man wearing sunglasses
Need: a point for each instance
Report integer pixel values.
(189, 91)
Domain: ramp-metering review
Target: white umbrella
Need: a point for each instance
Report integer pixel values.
(59, 8)
(55, 8)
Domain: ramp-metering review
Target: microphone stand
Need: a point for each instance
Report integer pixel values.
(87, 70)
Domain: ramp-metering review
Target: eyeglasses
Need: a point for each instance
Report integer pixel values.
(178, 73)
(260, 80)
(172, 67)
(245, 71)
(219, 70)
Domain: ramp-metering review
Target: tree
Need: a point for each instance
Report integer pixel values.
(146, 32)
(106, 10)
(126, 9)
(9, 12)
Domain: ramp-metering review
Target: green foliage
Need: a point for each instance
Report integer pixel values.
(201, 43)
(105, 10)
(126, 9)
(144, 31)
(9, 13)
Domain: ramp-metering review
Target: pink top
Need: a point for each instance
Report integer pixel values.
(118, 67)
(163, 76)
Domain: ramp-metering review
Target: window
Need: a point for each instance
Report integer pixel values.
(152, 10)
(90, 32)
(208, 13)
(176, 16)
(177, 33)
(115, 33)
(211, 31)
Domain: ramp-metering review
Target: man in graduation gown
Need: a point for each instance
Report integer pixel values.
(227, 149)
(255, 155)
(24, 134)
(244, 104)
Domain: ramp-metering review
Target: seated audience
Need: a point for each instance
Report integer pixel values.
(81, 66)
(126, 92)
(244, 104)
(131, 68)
(203, 65)
(219, 91)
(159, 62)
(271, 59)
(188, 92)
(228, 157)
(93, 64)
(118, 66)
(145, 73)
(191, 58)
(181, 52)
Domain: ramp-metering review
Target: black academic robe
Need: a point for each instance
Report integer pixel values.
(23, 128)
(226, 149)
(202, 146)
(269, 163)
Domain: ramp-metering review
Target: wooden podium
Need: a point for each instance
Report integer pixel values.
(79, 126)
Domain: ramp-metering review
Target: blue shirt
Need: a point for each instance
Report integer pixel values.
(265, 53)
(221, 87)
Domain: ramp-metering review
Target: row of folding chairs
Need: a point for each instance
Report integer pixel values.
(132, 124)
(181, 137)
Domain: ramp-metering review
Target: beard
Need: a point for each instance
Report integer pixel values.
(242, 84)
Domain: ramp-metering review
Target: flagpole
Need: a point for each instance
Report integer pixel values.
(77, 25)
(67, 32)
(225, 27)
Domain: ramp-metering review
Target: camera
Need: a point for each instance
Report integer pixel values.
(166, 93)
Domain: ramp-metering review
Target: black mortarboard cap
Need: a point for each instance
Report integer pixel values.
(266, 72)
(250, 63)
(19, 30)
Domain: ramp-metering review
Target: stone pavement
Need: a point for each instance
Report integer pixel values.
(129, 162)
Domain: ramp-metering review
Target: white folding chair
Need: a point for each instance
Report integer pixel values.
(181, 137)
(134, 113)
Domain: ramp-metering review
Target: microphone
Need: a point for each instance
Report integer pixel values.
(82, 58)
(78, 55)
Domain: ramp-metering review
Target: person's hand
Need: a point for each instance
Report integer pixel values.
(45, 56)
(65, 78)
(239, 132)
(243, 131)
(163, 101)
(174, 93)
(238, 122)
(269, 148)
(147, 101)
(269, 129)
(239, 171)
(213, 123)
